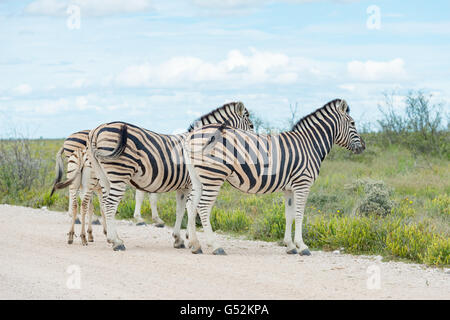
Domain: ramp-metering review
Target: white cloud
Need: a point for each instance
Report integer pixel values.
(79, 83)
(377, 71)
(163, 7)
(82, 103)
(348, 87)
(22, 89)
(88, 7)
(237, 69)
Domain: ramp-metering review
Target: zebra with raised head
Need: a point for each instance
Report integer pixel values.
(77, 142)
(259, 163)
(123, 154)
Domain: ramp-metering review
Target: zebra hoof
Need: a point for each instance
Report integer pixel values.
(198, 251)
(141, 224)
(70, 241)
(305, 252)
(120, 247)
(219, 252)
(96, 223)
(77, 221)
(159, 225)
(179, 245)
(292, 251)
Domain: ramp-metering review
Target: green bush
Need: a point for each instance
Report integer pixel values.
(418, 243)
(440, 205)
(355, 234)
(376, 198)
(270, 224)
(420, 128)
(21, 167)
(236, 220)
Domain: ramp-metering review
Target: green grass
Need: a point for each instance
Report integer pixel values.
(416, 228)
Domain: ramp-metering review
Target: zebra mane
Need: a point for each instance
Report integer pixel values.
(335, 103)
(232, 106)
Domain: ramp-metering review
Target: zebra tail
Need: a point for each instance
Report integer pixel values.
(62, 185)
(95, 155)
(119, 149)
(58, 169)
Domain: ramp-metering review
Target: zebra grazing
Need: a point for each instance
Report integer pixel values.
(78, 141)
(258, 163)
(123, 154)
(81, 178)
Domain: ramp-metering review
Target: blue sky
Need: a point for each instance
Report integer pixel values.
(161, 64)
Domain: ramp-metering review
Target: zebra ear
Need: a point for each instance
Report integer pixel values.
(240, 109)
(343, 107)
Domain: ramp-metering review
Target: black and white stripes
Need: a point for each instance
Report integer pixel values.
(252, 163)
(123, 154)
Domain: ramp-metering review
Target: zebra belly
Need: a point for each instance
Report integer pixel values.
(234, 180)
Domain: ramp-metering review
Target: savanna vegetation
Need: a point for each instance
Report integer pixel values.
(392, 200)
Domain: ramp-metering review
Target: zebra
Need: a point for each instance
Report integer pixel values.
(75, 142)
(123, 154)
(81, 178)
(259, 164)
(78, 141)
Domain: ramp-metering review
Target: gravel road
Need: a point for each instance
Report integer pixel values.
(37, 263)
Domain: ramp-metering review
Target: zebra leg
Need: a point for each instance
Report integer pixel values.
(73, 211)
(73, 203)
(111, 202)
(90, 214)
(289, 215)
(300, 197)
(158, 222)
(137, 209)
(102, 209)
(207, 199)
(194, 244)
(85, 204)
(181, 206)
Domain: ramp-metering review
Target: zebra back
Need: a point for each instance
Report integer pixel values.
(148, 160)
(266, 163)
(77, 140)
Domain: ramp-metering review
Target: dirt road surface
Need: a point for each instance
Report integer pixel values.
(37, 263)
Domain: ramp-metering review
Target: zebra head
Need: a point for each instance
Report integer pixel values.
(233, 114)
(346, 134)
(240, 117)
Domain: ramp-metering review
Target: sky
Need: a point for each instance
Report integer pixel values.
(70, 65)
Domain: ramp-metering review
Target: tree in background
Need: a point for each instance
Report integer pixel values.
(420, 127)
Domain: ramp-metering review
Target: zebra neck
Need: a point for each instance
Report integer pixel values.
(318, 134)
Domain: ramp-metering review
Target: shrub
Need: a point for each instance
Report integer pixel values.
(20, 166)
(440, 205)
(438, 252)
(420, 128)
(376, 197)
(236, 220)
(270, 224)
(418, 243)
(125, 209)
(355, 234)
